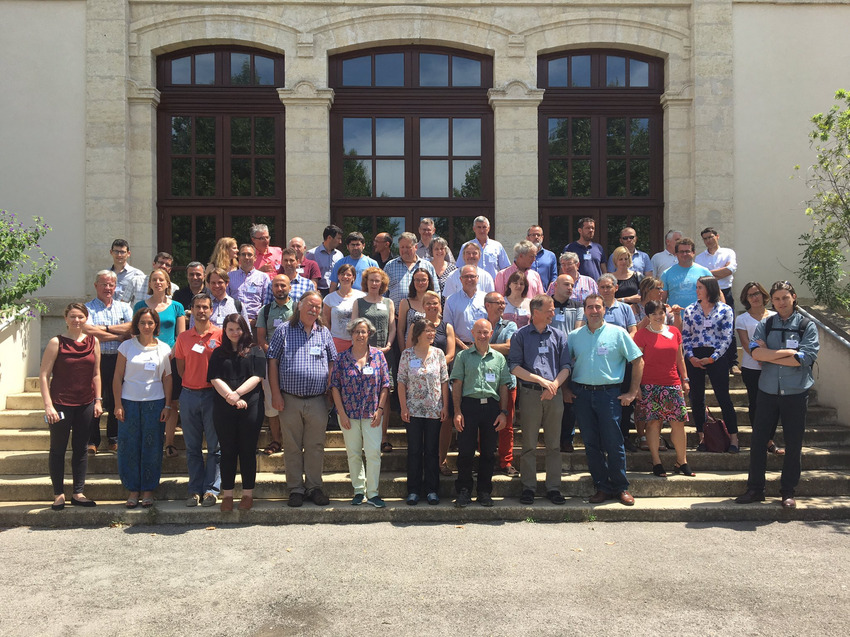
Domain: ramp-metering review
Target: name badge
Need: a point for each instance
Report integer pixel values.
(587, 256)
(602, 350)
(198, 347)
(543, 349)
(381, 308)
(277, 323)
(483, 401)
(150, 367)
(792, 343)
(315, 350)
(708, 323)
(415, 363)
(490, 377)
(368, 371)
(666, 334)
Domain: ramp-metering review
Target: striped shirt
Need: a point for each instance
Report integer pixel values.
(250, 288)
(304, 370)
(401, 275)
(117, 313)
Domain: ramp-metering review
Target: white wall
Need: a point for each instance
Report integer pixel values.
(42, 126)
(789, 61)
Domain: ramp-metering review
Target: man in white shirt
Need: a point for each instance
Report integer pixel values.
(465, 307)
(667, 257)
(723, 263)
(471, 255)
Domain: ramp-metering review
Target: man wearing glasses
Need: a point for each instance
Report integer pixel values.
(680, 280)
(162, 261)
(465, 306)
(545, 261)
(641, 262)
(130, 284)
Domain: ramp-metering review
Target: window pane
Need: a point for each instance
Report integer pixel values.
(181, 135)
(357, 178)
(441, 227)
(466, 178)
(357, 136)
(581, 70)
(462, 227)
(434, 178)
(240, 135)
(181, 239)
(466, 72)
(616, 136)
(581, 136)
(638, 73)
(557, 178)
(393, 226)
(639, 132)
(240, 69)
(181, 70)
(389, 136)
(240, 228)
(433, 136)
(581, 178)
(263, 70)
(205, 68)
(205, 177)
(389, 178)
(240, 177)
(466, 137)
(558, 73)
(616, 71)
(205, 135)
(433, 69)
(558, 135)
(559, 233)
(205, 235)
(264, 177)
(181, 176)
(363, 225)
(389, 69)
(616, 177)
(639, 177)
(264, 142)
(357, 71)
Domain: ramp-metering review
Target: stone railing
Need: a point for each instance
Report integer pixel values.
(20, 353)
(832, 370)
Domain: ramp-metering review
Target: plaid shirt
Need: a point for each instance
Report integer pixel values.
(116, 314)
(251, 289)
(131, 285)
(305, 369)
(298, 287)
(401, 275)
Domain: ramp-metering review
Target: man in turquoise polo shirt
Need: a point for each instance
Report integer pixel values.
(680, 280)
(480, 380)
(599, 352)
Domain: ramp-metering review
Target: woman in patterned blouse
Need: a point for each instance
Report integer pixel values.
(707, 328)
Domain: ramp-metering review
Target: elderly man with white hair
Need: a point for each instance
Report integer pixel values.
(524, 253)
(493, 255)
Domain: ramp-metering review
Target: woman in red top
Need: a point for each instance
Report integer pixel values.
(71, 400)
(662, 387)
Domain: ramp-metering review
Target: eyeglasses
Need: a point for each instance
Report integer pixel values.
(754, 295)
(629, 238)
(119, 253)
(496, 302)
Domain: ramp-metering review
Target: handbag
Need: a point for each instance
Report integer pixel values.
(715, 435)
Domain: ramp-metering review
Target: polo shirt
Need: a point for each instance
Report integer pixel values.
(542, 353)
(473, 370)
(620, 314)
(590, 258)
(681, 283)
(641, 263)
(599, 358)
(359, 266)
(196, 362)
(567, 314)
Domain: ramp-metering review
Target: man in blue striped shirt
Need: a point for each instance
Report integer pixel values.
(248, 285)
(301, 359)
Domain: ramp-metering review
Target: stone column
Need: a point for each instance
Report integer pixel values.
(106, 193)
(307, 158)
(141, 163)
(516, 159)
(678, 162)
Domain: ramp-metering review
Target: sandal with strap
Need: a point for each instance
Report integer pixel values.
(778, 451)
(658, 469)
(272, 447)
(683, 469)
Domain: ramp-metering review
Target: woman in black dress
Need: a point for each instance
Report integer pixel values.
(236, 371)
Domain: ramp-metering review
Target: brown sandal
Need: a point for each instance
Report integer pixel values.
(272, 448)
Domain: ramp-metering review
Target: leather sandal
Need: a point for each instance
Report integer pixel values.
(683, 469)
(272, 447)
(658, 469)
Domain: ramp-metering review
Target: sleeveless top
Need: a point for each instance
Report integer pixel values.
(380, 319)
(441, 278)
(412, 315)
(628, 287)
(440, 339)
(73, 372)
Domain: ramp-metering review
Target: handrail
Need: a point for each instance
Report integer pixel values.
(824, 327)
(9, 320)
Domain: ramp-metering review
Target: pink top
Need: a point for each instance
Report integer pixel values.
(271, 257)
(535, 285)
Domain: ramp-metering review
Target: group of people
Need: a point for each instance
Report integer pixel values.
(571, 341)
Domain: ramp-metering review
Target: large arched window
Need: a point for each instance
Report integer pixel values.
(220, 149)
(411, 137)
(600, 133)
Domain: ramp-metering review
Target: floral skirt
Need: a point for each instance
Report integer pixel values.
(661, 402)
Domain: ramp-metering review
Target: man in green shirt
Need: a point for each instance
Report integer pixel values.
(269, 318)
(480, 379)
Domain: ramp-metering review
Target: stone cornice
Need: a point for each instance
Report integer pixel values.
(515, 93)
(304, 94)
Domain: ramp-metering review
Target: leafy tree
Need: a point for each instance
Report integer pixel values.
(826, 245)
(356, 176)
(24, 266)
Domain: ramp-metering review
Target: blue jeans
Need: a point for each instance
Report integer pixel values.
(598, 416)
(196, 417)
(140, 439)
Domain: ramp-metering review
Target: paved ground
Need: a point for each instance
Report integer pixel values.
(516, 578)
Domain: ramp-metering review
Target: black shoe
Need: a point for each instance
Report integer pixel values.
(555, 497)
(463, 499)
(750, 496)
(295, 500)
(485, 499)
(319, 498)
(527, 497)
(83, 503)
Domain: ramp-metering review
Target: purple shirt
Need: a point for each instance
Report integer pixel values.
(250, 289)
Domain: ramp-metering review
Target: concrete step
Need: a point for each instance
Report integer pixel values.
(336, 460)
(26, 488)
(576, 509)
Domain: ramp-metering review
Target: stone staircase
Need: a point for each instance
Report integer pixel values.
(824, 491)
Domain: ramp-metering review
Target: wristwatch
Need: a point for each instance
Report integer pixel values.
(504, 411)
